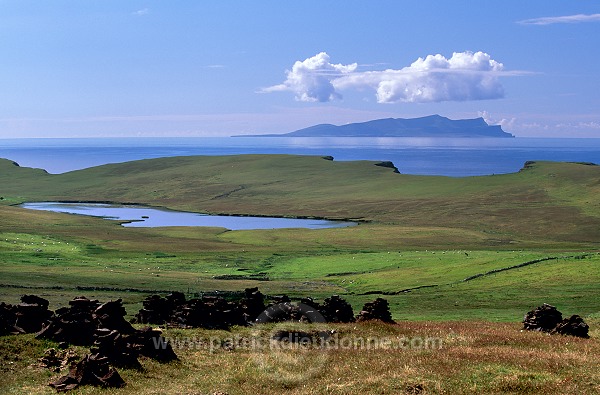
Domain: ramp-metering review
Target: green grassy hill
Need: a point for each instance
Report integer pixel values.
(459, 259)
(545, 210)
(557, 202)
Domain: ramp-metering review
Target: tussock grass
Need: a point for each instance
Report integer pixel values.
(475, 357)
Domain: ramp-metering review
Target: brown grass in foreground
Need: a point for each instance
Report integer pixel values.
(369, 358)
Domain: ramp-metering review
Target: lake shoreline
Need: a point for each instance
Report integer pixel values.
(341, 223)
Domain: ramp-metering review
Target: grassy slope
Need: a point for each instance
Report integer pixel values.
(551, 201)
(56, 267)
(423, 231)
(546, 209)
(475, 358)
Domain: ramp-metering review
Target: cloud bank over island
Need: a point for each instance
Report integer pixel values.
(462, 77)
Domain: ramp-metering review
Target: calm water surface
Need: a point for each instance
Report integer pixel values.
(149, 217)
(426, 156)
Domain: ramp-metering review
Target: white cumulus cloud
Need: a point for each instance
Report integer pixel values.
(435, 78)
(506, 123)
(311, 79)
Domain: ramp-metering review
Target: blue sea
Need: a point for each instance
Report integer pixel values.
(425, 156)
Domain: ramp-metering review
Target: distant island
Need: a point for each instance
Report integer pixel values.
(430, 126)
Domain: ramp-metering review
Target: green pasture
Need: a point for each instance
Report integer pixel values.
(418, 237)
(432, 280)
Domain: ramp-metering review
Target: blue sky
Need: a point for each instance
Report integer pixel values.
(109, 68)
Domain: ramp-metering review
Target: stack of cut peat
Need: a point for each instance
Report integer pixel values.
(209, 312)
(546, 318)
(75, 324)
(215, 312)
(8, 319)
(281, 309)
(26, 317)
(113, 342)
(336, 309)
(90, 370)
(252, 304)
(376, 310)
(158, 310)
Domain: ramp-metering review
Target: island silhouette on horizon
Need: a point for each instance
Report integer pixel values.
(429, 126)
